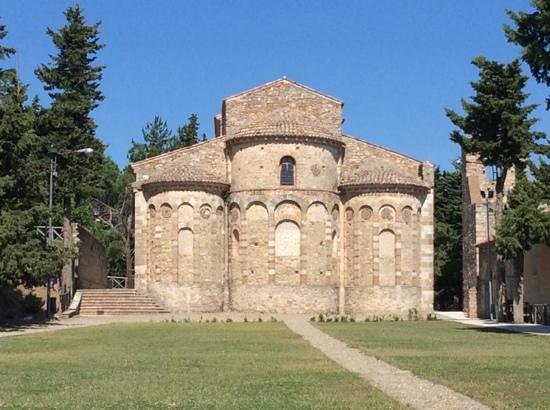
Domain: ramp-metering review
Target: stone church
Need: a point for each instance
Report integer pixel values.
(282, 212)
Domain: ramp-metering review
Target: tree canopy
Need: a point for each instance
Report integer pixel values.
(532, 34)
(25, 257)
(448, 239)
(526, 220)
(497, 123)
(72, 81)
(188, 133)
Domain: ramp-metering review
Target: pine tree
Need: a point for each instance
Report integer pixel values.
(497, 124)
(497, 127)
(524, 222)
(188, 133)
(448, 239)
(72, 81)
(25, 257)
(532, 34)
(157, 139)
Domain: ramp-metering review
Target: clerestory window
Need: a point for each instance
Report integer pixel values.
(287, 170)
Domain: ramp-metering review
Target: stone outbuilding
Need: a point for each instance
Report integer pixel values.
(281, 212)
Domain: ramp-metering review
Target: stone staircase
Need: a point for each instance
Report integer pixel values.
(94, 302)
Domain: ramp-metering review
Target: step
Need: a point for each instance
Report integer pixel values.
(137, 299)
(95, 302)
(152, 309)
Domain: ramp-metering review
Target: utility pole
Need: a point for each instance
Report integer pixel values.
(53, 174)
(489, 192)
(54, 154)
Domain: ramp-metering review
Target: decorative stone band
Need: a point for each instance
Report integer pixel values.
(361, 188)
(153, 187)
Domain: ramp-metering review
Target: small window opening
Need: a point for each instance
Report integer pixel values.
(287, 171)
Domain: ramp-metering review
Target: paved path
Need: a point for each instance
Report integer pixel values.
(400, 384)
(530, 328)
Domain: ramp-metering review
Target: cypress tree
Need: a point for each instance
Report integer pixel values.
(448, 239)
(72, 80)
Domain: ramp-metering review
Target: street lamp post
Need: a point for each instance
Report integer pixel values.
(490, 279)
(54, 154)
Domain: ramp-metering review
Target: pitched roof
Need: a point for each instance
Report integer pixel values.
(285, 80)
(202, 162)
(378, 173)
(284, 128)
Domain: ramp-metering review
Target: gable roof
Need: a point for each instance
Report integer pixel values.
(286, 81)
(201, 162)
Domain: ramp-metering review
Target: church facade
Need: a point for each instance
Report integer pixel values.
(281, 212)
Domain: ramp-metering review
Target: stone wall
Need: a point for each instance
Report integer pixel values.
(537, 275)
(185, 260)
(92, 262)
(383, 249)
(281, 241)
(281, 100)
(252, 162)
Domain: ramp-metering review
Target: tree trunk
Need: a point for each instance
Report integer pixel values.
(517, 290)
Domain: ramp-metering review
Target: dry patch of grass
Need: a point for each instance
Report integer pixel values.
(214, 366)
(501, 369)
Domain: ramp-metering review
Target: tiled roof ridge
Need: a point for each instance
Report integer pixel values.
(378, 173)
(281, 79)
(189, 148)
(372, 144)
(283, 127)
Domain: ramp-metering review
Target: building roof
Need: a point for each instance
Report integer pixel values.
(376, 173)
(284, 128)
(189, 164)
(286, 80)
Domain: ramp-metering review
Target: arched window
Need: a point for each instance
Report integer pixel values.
(287, 170)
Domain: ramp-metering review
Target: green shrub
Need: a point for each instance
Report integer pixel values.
(413, 314)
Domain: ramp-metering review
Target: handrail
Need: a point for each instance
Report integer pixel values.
(118, 282)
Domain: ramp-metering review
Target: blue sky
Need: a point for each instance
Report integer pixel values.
(395, 64)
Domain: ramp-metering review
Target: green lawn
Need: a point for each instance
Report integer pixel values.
(503, 370)
(234, 365)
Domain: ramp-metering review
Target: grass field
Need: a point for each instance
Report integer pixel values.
(210, 366)
(501, 369)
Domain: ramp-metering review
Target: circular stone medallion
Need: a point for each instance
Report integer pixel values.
(316, 169)
(366, 213)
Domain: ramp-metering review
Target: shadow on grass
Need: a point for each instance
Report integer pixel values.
(18, 325)
(524, 330)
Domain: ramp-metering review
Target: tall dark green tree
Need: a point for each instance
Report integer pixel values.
(157, 139)
(25, 257)
(497, 123)
(448, 239)
(525, 222)
(72, 80)
(187, 134)
(531, 32)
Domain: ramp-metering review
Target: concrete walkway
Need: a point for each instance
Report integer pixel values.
(400, 384)
(530, 328)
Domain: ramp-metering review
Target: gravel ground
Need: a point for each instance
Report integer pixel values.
(400, 384)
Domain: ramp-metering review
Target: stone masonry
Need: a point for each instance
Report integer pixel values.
(217, 227)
